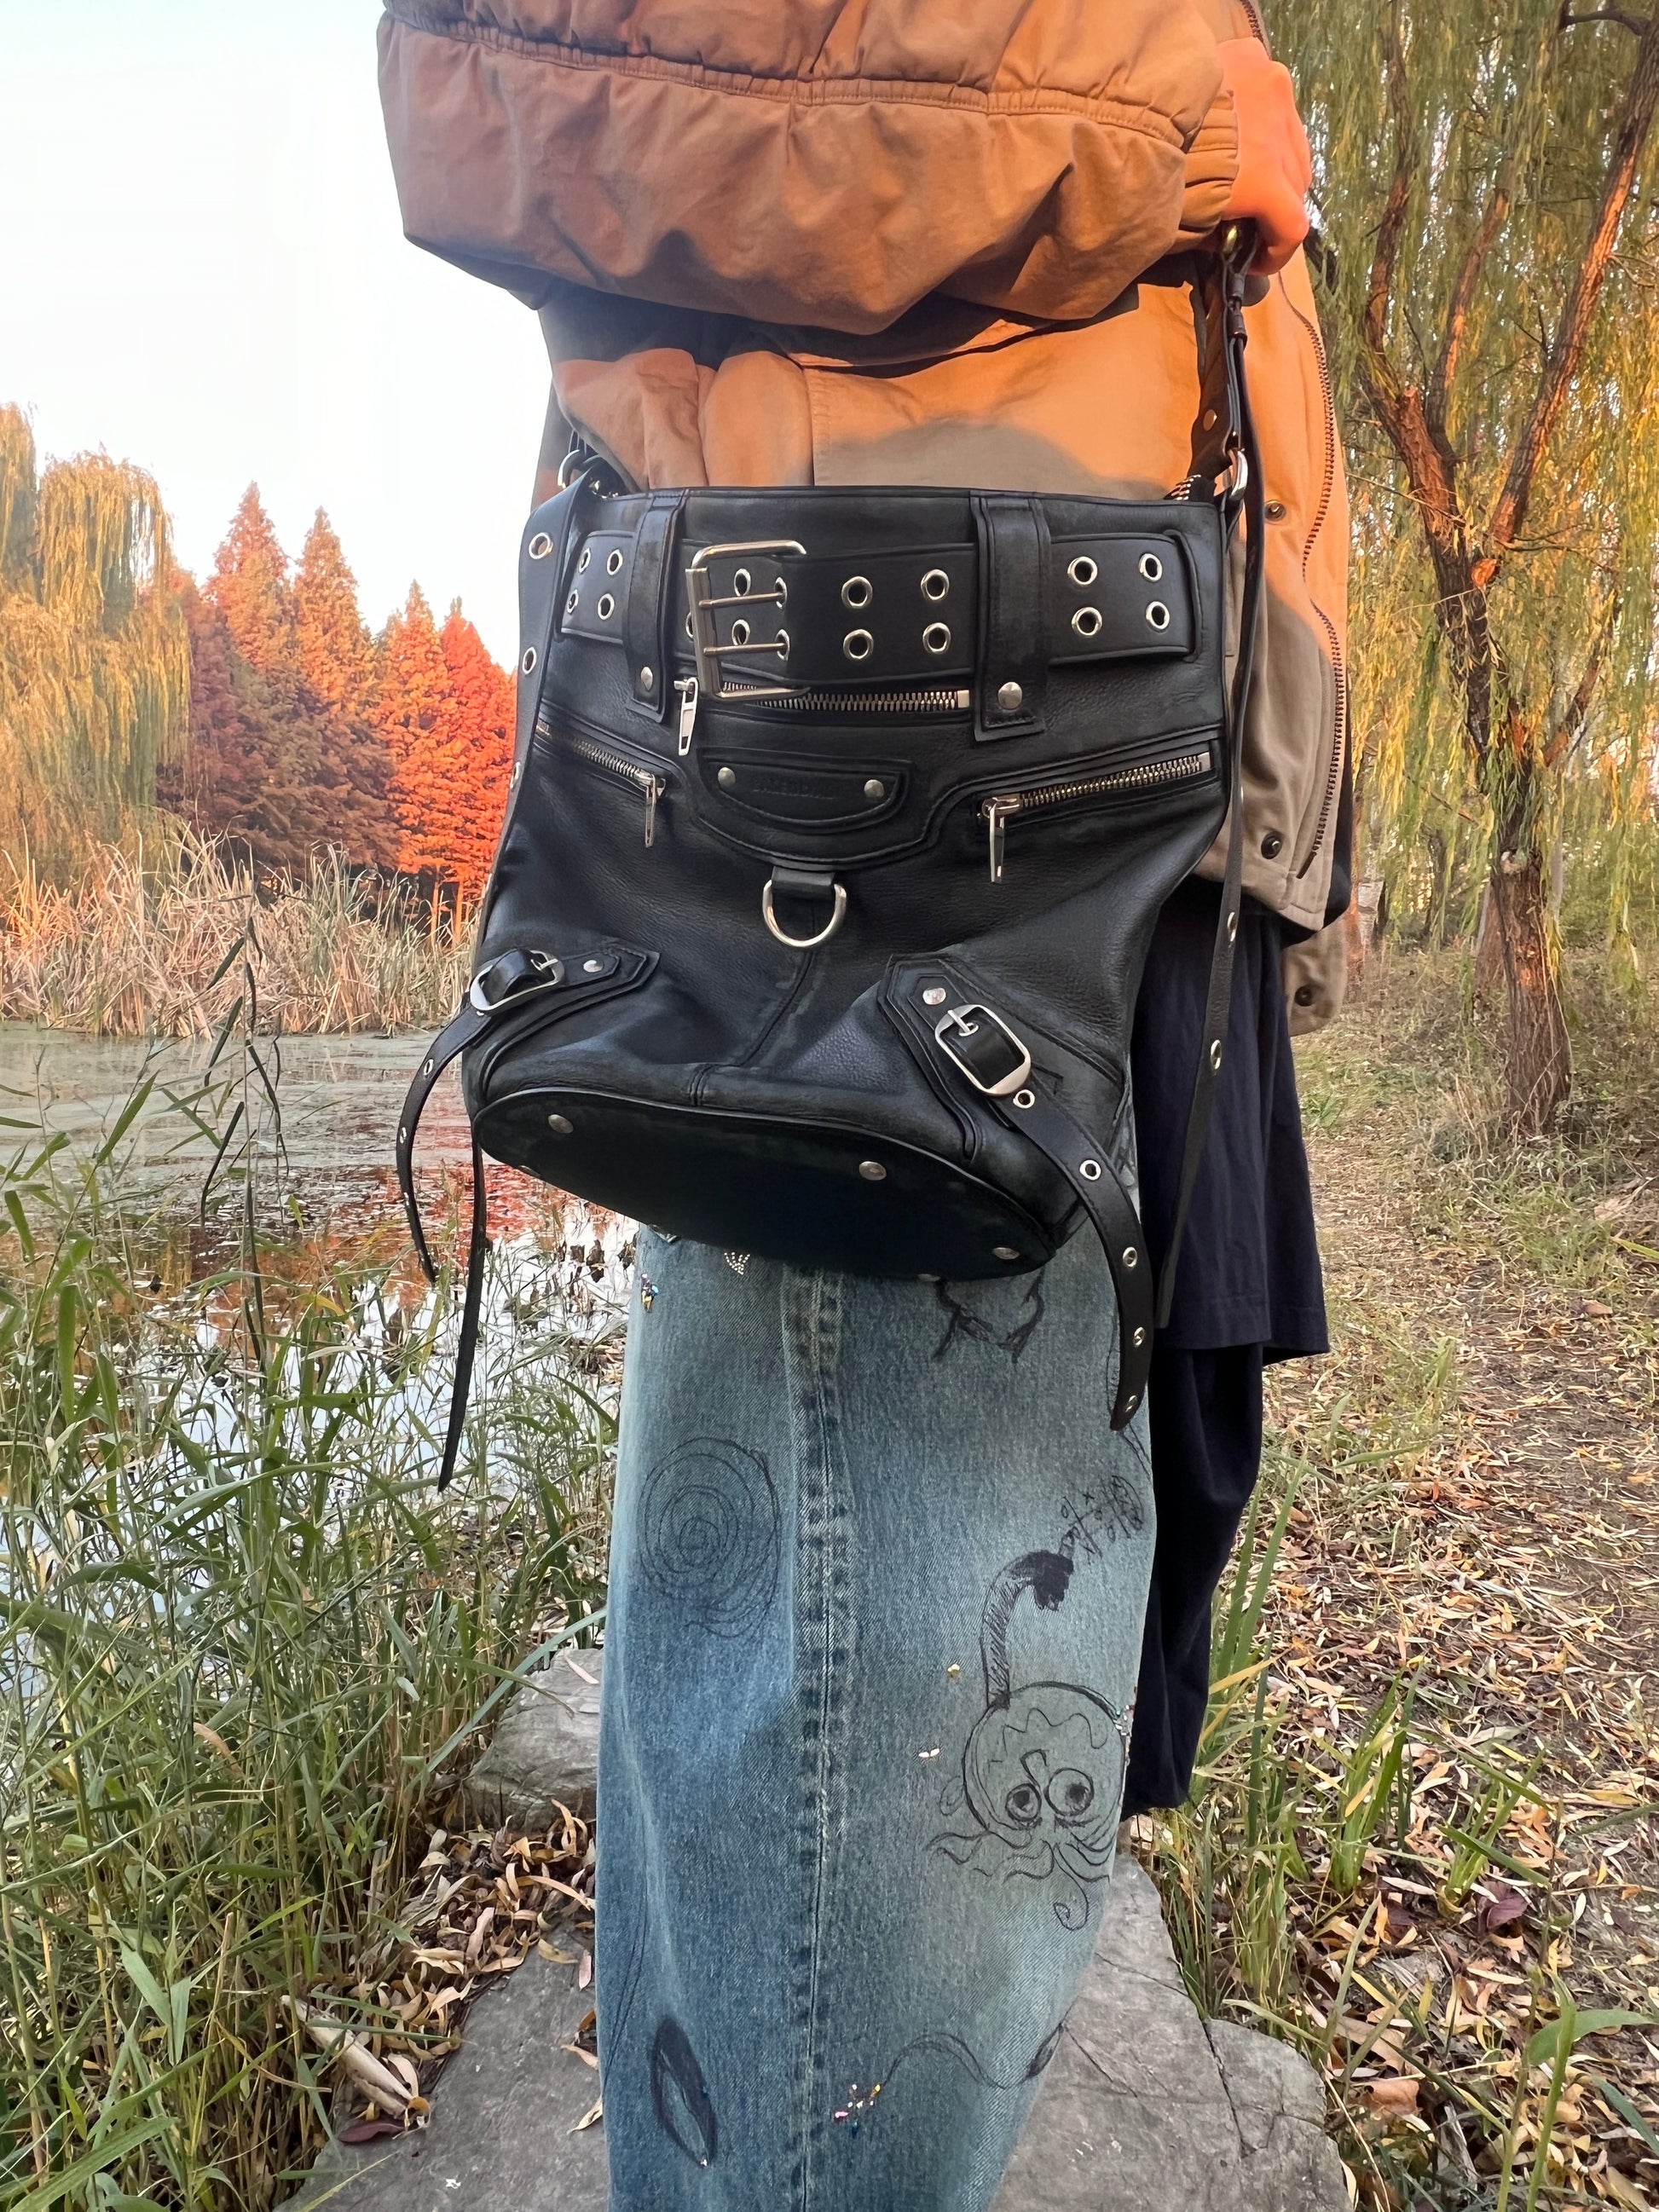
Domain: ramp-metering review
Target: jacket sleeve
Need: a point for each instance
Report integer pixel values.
(818, 161)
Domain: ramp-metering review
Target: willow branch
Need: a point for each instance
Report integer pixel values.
(1568, 730)
(1566, 353)
(1637, 26)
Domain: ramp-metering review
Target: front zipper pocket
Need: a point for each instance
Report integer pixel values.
(1134, 780)
(650, 786)
(933, 698)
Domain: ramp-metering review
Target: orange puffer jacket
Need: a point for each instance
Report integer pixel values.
(899, 242)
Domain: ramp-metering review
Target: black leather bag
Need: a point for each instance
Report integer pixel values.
(840, 821)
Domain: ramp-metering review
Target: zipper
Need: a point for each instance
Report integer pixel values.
(1327, 493)
(933, 698)
(626, 771)
(997, 811)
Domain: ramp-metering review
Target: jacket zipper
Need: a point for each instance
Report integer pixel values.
(932, 699)
(1143, 775)
(1339, 672)
(626, 771)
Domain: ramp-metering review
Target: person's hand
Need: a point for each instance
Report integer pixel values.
(1275, 167)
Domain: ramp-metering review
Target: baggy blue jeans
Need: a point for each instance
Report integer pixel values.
(877, 1574)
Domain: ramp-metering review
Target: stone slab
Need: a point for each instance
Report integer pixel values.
(546, 1752)
(1145, 2108)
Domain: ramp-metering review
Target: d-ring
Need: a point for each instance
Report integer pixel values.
(802, 943)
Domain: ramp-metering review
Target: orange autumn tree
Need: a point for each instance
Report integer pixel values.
(444, 712)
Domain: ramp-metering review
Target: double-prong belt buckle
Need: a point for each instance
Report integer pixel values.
(969, 1021)
(705, 634)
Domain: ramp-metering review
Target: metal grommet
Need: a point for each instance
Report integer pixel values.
(1025, 1100)
(1129, 1404)
(781, 587)
(1011, 698)
(727, 779)
(539, 546)
(935, 995)
(613, 562)
(1091, 1170)
(560, 1126)
(1086, 622)
(572, 602)
(1274, 511)
(874, 789)
(873, 1171)
(1083, 571)
(782, 642)
(1138, 1339)
(1131, 1257)
(583, 565)
(1150, 567)
(1006, 1252)
(928, 1278)
(857, 644)
(934, 585)
(740, 632)
(1215, 1057)
(689, 630)
(741, 581)
(528, 663)
(1158, 615)
(857, 592)
(1232, 926)
(936, 637)
(606, 607)
(647, 679)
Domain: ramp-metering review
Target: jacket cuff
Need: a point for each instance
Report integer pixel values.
(1212, 165)
(1315, 977)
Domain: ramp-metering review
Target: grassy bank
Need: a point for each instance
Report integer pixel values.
(245, 1651)
(1427, 1847)
(169, 945)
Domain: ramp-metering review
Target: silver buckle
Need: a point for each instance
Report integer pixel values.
(705, 637)
(957, 1023)
(549, 973)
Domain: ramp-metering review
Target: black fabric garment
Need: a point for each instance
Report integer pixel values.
(1249, 1263)
(1250, 1291)
(1205, 1409)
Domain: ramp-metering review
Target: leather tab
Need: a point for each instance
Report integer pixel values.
(647, 609)
(1010, 690)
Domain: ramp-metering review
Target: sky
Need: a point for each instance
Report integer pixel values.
(202, 271)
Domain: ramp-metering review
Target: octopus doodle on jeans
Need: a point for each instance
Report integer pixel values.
(965, 1322)
(1043, 1767)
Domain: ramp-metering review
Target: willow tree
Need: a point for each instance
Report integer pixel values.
(95, 671)
(1486, 169)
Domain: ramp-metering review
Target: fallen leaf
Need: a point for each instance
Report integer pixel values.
(362, 2131)
(576, 2052)
(554, 1956)
(591, 2117)
(1394, 2095)
(585, 1972)
(1503, 1905)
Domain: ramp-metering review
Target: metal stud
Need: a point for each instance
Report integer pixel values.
(1158, 615)
(935, 585)
(875, 789)
(613, 561)
(1011, 698)
(1083, 571)
(540, 546)
(593, 967)
(727, 779)
(1138, 1339)
(1150, 567)
(1090, 1170)
(560, 1126)
(528, 663)
(935, 995)
(1129, 1404)
(606, 607)
(1005, 1252)
(873, 1171)
(857, 592)
(1086, 622)
(647, 679)
(857, 644)
(936, 637)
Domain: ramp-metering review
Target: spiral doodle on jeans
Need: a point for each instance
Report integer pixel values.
(708, 1534)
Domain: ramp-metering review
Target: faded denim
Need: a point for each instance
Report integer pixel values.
(877, 1576)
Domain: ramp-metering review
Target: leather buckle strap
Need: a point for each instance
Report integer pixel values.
(1013, 681)
(649, 602)
(758, 657)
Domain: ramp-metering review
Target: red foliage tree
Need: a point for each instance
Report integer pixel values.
(481, 747)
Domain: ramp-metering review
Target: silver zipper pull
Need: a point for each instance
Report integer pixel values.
(653, 794)
(690, 692)
(996, 813)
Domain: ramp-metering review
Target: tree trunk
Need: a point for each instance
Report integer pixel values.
(1537, 1056)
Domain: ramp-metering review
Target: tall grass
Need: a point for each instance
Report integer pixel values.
(244, 1654)
(155, 945)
